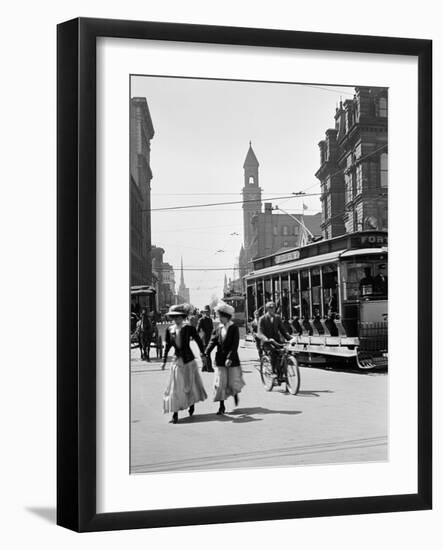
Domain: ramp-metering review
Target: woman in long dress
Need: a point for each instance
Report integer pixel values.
(228, 380)
(185, 387)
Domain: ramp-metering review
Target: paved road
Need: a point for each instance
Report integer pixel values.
(337, 417)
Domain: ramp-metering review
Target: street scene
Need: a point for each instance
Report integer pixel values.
(259, 274)
(336, 417)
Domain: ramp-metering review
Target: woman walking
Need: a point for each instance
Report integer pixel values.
(228, 376)
(185, 387)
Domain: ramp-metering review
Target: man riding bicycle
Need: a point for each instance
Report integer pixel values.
(270, 330)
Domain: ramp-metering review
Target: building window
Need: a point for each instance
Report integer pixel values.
(359, 180)
(285, 230)
(275, 230)
(328, 206)
(384, 170)
(348, 186)
(382, 107)
(295, 230)
(251, 180)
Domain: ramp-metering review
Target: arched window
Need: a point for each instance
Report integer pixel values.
(384, 170)
(285, 230)
(251, 180)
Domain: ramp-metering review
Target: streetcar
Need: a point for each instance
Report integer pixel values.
(333, 294)
(237, 301)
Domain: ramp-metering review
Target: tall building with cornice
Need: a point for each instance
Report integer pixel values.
(141, 133)
(353, 169)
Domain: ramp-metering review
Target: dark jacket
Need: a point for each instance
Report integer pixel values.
(227, 348)
(272, 327)
(187, 333)
(205, 325)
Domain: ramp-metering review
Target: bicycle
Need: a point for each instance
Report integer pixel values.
(288, 369)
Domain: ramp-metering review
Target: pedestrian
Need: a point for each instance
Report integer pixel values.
(254, 329)
(185, 386)
(228, 380)
(270, 331)
(193, 317)
(205, 328)
(144, 334)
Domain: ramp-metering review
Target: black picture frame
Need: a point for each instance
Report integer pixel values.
(76, 265)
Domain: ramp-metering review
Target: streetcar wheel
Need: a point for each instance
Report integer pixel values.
(266, 373)
(292, 375)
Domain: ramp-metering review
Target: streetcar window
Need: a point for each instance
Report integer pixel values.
(268, 290)
(316, 292)
(285, 296)
(252, 303)
(330, 291)
(260, 297)
(305, 294)
(365, 278)
(276, 291)
(295, 296)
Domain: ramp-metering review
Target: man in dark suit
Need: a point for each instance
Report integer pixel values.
(204, 328)
(271, 330)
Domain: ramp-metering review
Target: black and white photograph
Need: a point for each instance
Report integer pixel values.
(258, 299)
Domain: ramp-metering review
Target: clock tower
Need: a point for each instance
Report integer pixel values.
(251, 205)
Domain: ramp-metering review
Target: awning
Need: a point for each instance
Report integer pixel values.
(142, 290)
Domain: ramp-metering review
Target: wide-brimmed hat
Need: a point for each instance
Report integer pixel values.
(178, 310)
(223, 307)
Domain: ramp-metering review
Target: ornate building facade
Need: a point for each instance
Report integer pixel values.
(141, 133)
(354, 165)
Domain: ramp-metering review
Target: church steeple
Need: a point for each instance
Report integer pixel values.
(182, 278)
(250, 167)
(251, 204)
(183, 290)
(251, 160)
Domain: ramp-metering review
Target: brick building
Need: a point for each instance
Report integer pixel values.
(168, 284)
(354, 165)
(163, 280)
(141, 133)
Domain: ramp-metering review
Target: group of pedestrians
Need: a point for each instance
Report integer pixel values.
(185, 387)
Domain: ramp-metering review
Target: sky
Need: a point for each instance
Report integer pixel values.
(202, 133)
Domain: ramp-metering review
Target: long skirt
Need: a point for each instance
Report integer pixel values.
(227, 381)
(185, 386)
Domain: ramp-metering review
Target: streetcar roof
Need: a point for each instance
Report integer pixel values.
(360, 251)
(314, 261)
(279, 268)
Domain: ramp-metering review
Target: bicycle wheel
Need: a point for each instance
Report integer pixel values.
(266, 373)
(292, 375)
